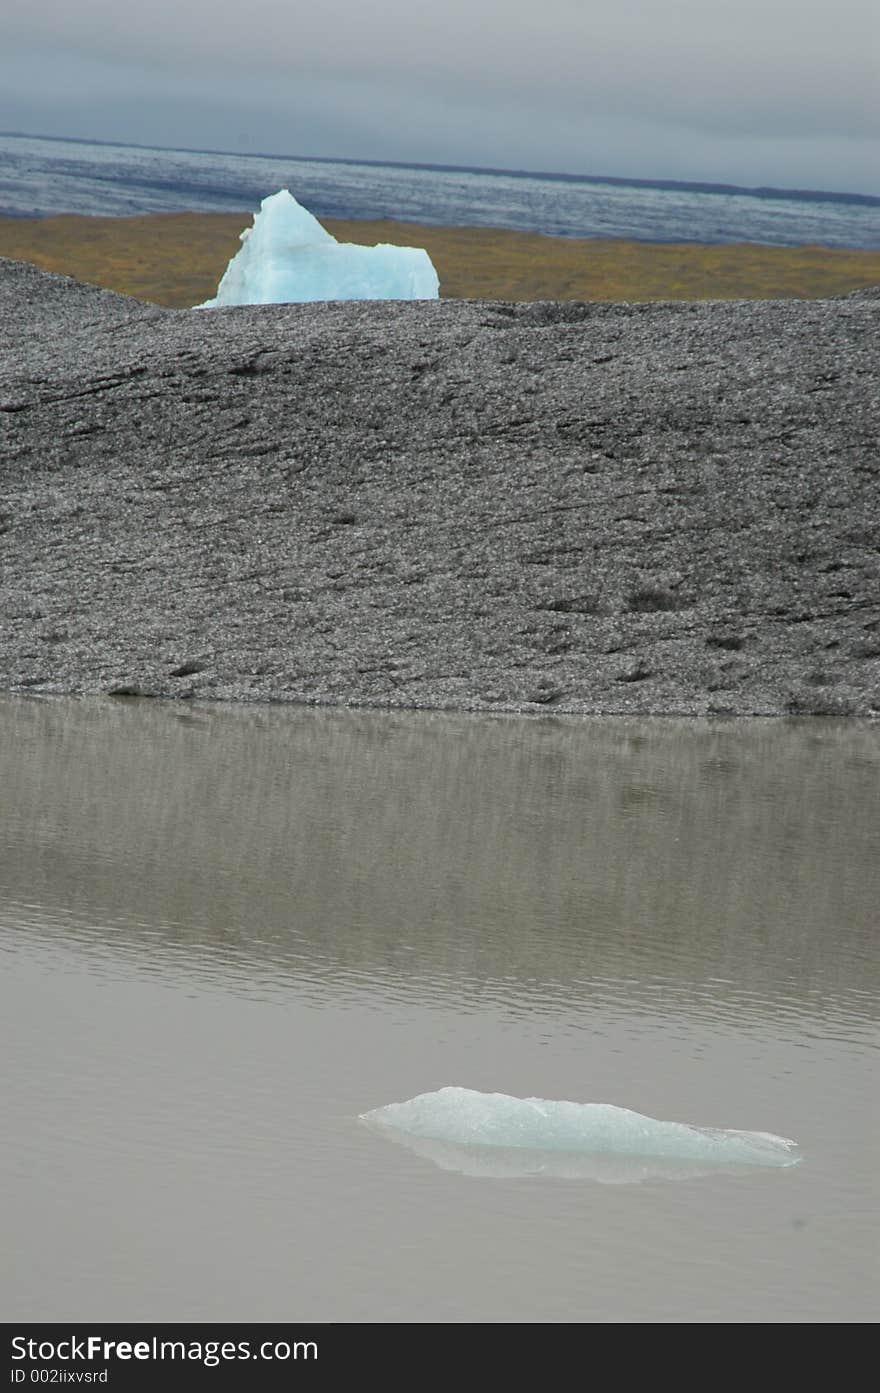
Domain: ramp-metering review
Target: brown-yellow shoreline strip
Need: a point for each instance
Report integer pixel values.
(177, 259)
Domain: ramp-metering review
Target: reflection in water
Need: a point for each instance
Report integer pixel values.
(530, 1163)
(225, 934)
(556, 860)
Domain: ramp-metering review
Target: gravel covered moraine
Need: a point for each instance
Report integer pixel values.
(610, 508)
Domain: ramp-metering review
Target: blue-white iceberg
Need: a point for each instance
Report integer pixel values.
(494, 1134)
(288, 257)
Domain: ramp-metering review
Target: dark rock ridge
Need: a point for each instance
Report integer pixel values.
(571, 507)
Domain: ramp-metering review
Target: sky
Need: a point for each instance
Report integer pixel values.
(756, 92)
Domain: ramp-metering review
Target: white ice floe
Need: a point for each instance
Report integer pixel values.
(287, 257)
(494, 1134)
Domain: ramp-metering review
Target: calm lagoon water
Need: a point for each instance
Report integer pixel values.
(225, 933)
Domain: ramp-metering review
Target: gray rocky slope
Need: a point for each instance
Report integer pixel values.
(586, 508)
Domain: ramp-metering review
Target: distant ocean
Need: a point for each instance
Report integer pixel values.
(40, 177)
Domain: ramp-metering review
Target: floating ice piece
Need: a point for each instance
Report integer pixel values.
(462, 1118)
(524, 1162)
(287, 256)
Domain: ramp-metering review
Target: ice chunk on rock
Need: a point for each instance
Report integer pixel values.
(462, 1117)
(287, 256)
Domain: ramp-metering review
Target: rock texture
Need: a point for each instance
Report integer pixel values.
(576, 507)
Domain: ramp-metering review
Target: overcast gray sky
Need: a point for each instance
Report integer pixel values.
(783, 92)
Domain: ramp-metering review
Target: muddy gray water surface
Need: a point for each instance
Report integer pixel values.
(227, 932)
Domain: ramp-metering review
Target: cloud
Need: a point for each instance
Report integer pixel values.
(471, 81)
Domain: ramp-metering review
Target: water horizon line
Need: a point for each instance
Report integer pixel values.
(766, 192)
